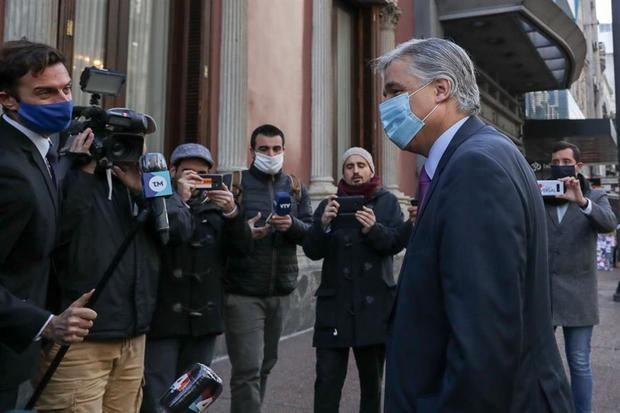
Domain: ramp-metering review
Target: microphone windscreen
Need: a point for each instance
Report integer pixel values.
(194, 391)
(282, 203)
(153, 162)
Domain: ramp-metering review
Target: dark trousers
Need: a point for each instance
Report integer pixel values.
(166, 359)
(331, 371)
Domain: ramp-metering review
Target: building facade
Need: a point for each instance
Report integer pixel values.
(210, 71)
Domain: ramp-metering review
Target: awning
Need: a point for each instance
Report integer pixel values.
(527, 45)
(596, 138)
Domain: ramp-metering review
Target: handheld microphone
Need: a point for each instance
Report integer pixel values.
(282, 203)
(194, 391)
(155, 186)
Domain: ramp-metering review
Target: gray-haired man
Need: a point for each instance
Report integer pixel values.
(471, 328)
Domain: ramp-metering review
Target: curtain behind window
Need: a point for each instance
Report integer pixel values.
(34, 19)
(147, 62)
(89, 42)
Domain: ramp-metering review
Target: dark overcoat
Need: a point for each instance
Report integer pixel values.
(357, 287)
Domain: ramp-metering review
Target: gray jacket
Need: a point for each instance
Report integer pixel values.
(572, 259)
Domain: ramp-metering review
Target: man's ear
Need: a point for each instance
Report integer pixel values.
(173, 171)
(8, 102)
(443, 90)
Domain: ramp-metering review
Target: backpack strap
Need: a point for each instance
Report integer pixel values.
(295, 187)
(236, 188)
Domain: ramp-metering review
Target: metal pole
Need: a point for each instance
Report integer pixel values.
(615, 13)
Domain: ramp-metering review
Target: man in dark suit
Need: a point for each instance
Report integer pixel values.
(35, 94)
(471, 327)
(574, 220)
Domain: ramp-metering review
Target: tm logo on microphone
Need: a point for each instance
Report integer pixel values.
(156, 184)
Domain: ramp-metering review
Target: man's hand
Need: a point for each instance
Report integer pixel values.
(258, 232)
(186, 183)
(572, 191)
(413, 213)
(281, 223)
(223, 199)
(81, 146)
(366, 217)
(331, 211)
(129, 175)
(73, 324)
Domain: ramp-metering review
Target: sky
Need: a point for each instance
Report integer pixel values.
(603, 11)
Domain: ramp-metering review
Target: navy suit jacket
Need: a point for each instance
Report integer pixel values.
(471, 328)
(28, 215)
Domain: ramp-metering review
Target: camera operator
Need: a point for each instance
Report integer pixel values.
(104, 373)
(189, 311)
(357, 283)
(35, 94)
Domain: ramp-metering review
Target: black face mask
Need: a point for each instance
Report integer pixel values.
(562, 171)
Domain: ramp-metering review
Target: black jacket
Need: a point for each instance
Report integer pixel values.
(28, 220)
(357, 287)
(271, 268)
(92, 230)
(190, 293)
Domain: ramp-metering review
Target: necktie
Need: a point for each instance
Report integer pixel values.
(51, 158)
(424, 183)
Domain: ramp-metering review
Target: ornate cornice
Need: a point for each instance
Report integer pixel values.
(389, 15)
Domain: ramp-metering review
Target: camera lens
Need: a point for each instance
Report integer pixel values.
(117, 150)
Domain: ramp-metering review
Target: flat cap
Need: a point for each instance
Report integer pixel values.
(191, 150)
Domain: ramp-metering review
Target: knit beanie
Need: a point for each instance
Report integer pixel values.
(355, 150)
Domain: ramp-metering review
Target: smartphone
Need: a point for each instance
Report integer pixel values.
(414, 202)
(551, 187)
(210, 181)
(350, 204)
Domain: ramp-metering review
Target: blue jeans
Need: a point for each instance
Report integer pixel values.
(577, 345)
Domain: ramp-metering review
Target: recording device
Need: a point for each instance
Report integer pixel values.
(551, 187)
(156, 185)
(193, 392)
(282, 203)
(210, 182)
(349, 205)
(119, 132)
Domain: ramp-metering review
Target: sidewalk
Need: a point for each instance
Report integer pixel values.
(291, 383)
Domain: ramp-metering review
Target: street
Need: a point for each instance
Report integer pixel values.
(291, 382)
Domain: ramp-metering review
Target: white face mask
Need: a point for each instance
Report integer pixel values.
(270, 165)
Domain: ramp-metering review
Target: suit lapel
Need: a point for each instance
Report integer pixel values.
(552, 215)
(572, 212)
(33, 155)
(36, 159)
(471, 126)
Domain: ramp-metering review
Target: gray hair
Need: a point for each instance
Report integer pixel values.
(435, 58)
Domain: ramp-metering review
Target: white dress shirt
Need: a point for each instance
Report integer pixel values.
(440, 146)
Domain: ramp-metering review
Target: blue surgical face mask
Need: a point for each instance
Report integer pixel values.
(46, 118)
(401, 125)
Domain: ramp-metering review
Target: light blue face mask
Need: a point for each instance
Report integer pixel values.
(401, 125)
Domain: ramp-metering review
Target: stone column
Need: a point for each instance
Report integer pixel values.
(389, 15)
(232, 118)
(321, 177)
